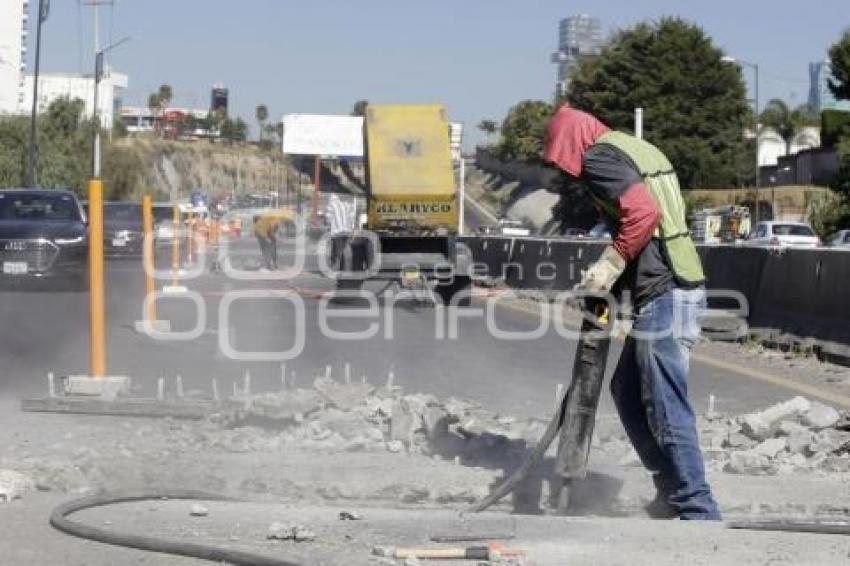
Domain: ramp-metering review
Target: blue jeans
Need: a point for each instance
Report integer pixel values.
(650, 391)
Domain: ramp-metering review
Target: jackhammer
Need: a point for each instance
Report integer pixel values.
(575, 415)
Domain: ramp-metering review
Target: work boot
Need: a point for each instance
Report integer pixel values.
(659, 508)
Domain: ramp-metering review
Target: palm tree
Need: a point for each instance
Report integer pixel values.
(154, 104)
(489, 127)
(787, 122)
(165, 95)
(262, 114)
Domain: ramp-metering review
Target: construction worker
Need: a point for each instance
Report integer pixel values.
(265, 229)
(652, 258)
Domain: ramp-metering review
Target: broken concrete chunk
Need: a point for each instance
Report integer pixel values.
(748, 462)
(198, 510)
(820, 416)
(13, 485)
(344, 396)
(302, 534)
(404, 422)
(760, 426)
(771, 447)
(799, 437)
(279, 531)
(739, 441)
(283, 531)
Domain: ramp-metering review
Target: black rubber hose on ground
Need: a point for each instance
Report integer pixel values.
(59, 520)
(530, 463)
(821, 526)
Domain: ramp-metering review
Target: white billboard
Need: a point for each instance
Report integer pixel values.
(314, 134)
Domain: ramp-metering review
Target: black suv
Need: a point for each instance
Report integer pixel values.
(43, 235)
(122, 228)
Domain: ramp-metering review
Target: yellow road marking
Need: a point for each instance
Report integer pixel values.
(791, 385)
(810, 390)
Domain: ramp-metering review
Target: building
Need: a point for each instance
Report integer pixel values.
(52, 86)
(13, 50)
(820, 97)
(578, 36)
(218, 98)
(139, 120)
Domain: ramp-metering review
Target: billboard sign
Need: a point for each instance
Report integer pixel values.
(313, 134)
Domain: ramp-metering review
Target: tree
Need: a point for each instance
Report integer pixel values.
(234, 130)
(524, 131)
(262, 114)
(839, 85)
(359, 108)
(839, 61)
(694, 104)
(165, 94)
(489, 127)
(787, 122)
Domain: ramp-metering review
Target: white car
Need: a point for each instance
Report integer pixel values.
(513, 228)
(840, 239)
(781, 233)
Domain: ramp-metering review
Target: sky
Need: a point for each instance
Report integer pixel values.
(478, 57)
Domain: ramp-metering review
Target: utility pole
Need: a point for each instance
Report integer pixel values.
(755, 68)
(32, 175)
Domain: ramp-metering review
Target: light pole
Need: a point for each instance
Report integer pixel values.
(755, 68)
(98, 75)
(32, 178)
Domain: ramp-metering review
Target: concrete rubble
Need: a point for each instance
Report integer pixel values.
(358, 417)
(796, 435)
(293, 532)
(13, 485)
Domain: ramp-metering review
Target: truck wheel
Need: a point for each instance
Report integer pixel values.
(448, 290)
(349, 284)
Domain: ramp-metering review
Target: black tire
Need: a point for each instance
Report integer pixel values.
(449, 289)
(349, 284)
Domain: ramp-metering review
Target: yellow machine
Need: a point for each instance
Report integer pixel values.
(411, 179)
(412, 200)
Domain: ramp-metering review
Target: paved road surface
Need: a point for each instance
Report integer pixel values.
(44, 332)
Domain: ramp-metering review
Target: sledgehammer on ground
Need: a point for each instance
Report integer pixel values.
(488, 552)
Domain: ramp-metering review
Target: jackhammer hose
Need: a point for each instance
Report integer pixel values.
(822, 526)
(530, 463)
(59, 520)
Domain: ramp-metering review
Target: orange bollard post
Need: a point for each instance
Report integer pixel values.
(148, 258)
(175, 246)
(97, 302)
(189, 225)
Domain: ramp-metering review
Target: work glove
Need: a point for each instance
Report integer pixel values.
(601, 276)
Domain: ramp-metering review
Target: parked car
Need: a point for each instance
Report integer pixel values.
(600, 231)
(840, 239)
(163, 223)
(43, 235)
(509, 227)
(781, 233)
(122, 228)
(575, 233)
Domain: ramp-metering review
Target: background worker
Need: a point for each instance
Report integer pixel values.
(266, 227)
(653, 258)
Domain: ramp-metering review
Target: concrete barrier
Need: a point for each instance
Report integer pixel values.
(793, 295)
(493, 253)
(733, 267)
(803, 297)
